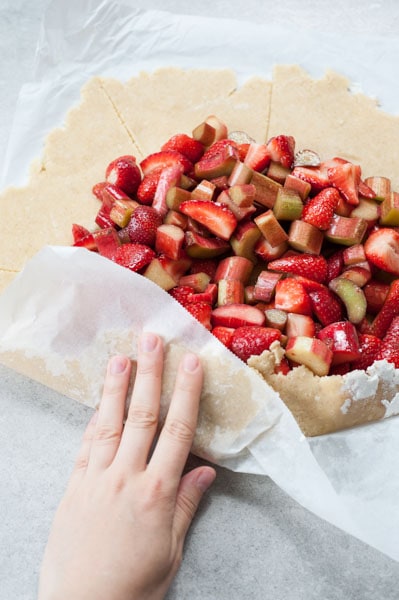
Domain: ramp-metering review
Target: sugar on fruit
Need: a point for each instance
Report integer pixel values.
(261, 242)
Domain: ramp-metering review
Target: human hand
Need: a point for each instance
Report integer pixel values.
(119, 531)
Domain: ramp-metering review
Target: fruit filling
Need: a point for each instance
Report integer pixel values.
(263, 244)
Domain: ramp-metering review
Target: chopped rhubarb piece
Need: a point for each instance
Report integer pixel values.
(310, 352)
(240, 175)
(346, 230)
(175, 196)
(265, 286)
(390, 210)
(134, 256)
(159, 275)
(205, 190)
(288, 205)
(230, 291)
(175, 268)
(237, 315)
(124, 173)
(252, 341)
(357, 274)
(234, 268)
(209, 294)
(310, 266)
(297, 185)
(381, 186)
(210, 131)
(169, 240)
(216, 217)
(291, 296)
(242, 195)
(342, 339)
(239, 212)
(266, 189)
(271, 228)
(121, 211)
(305, 237)
(197, 281)
(367, 209)
(353, 255)
(276, 318)
(277, 172)
(173, 217)
(267, 252)
(244, 239)
(352, 296)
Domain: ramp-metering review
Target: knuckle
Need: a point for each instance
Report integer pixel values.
(107, 434)
(179, 430)
(142, 418)
(188, 506)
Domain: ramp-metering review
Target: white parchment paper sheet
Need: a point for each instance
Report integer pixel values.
(356, 485)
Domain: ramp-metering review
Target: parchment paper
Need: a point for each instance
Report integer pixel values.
(69, 309)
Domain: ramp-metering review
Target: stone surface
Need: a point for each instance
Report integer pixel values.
(249, 539)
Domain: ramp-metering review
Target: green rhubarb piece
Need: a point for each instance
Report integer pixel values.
(288, 205)
(352, 296)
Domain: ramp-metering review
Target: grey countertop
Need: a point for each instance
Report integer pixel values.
(249, 539)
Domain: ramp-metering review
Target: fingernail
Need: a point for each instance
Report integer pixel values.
(205, 479)
(117, 365)
(148, 341)
(190, 362)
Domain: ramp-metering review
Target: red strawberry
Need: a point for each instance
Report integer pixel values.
(253, 340)
(242, 150)
(107, 242)
(257, 157)
(335, 265)
(281, 149)
(326, 306)
(310, 285)
(186, 145)
(319, 210)
(382, 249)
(83, 237)
(124, 173)
(214, 216)
(390, 344)
(224, 335)
(311, 266)
(346, 178)
(163, 159)
(97, 189)
(369, 349)
(316, 176)
(183, 294)
(148, 187)
(201, 311)
(206, 265)
(218, 148)
(283, 368)
(342, 339)
(134, 256)
(143, 225)
(169, 177)
(389, 310)
(291, 296)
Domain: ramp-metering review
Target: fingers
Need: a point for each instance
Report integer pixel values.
(142, 420)
(109, 425)
(177, 435)
(192, 487)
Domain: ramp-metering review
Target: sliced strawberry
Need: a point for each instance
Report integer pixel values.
(83, 238)
(97, 189)
(182, 293)
(148, 187)
(389, 310)
(214, 216)
(219, 146)
(389, 349)
(124, 173)
(201, 311)
(206, 265)
(335, 265)
(134, 256)
(326, 307)
(79, 232)
(250, 341)
(257, 157)
(310, 285)
(375, 292)
(143, 225)
(190, 148)
(311, 266)
(319, 210)
(382, 249)
(224, 335)
(291, 296)
(346, 178)
(369, 346)
(107, 242)
(283, 367)
(243, 150)
(317, 177)
(163, 159)
(282, 149)
(341, 337)
(170, 177)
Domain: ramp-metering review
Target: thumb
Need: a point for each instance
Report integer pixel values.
(192, 487)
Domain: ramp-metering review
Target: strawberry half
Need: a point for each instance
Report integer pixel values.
(346, 178)
(190, 148)
(252, 340)
(124, 173)
(281, 148)
(163, 159)
(389, 349)
(214, 216)
(143, 225)
(134, 256)
(369, 347)
(326, 306)
(148, 187)
(382, 249)
(389, 310)
(201, 311)
(319, 210)
(257, 157)
(311, 266)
